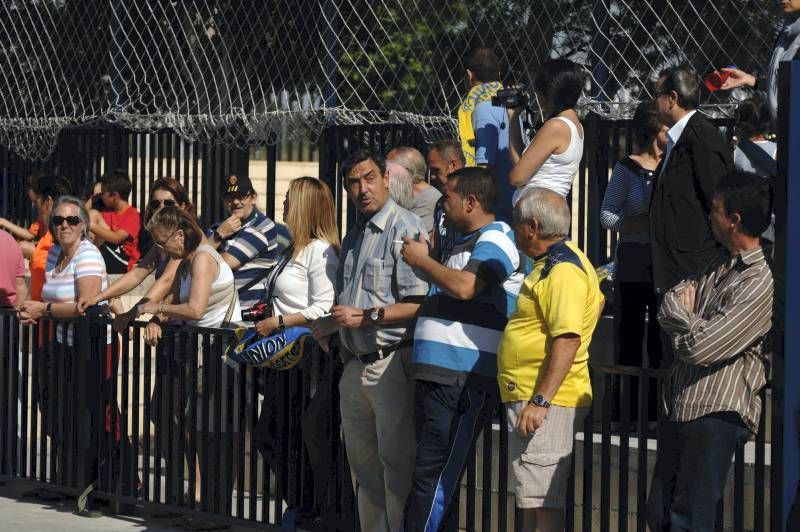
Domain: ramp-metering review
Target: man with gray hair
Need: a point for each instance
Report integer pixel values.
(696, 158)
(543, 358)
(424, 195)
(401, 188)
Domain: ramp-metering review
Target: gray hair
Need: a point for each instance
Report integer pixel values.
(685, 82)
(82, 214)
(400, 185)
(549, 210)
(412, 160)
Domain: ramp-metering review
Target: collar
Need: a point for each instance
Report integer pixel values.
(380, 218)
(675, 132)
(751, 257)
(255, 212)
(553, 247)
(480, 93)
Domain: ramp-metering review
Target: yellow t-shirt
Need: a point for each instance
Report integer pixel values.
(561, 295)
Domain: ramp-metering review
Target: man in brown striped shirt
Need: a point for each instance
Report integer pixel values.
(718, 323)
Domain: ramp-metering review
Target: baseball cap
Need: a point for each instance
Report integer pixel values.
(237, 186)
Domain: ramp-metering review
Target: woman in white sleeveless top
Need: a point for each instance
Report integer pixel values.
(553, 157)
(207, 296)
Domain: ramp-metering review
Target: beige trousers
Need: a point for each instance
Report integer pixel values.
(377, 408)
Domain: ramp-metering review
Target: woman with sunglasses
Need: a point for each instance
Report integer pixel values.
(75, 268)
(165, 192)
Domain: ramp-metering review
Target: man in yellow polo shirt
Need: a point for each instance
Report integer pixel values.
(543, 358)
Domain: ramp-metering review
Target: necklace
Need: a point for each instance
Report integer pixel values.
(64, 259)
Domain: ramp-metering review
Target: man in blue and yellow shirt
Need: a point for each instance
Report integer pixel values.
(543, 357)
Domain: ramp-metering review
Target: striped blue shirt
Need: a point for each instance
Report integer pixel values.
(456, 341)
(255, 247)
(628, 194)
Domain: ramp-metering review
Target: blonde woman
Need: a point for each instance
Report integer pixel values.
(300, 288)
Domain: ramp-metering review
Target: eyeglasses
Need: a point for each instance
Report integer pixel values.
(156, 203)
(164, 243)
(71, 220)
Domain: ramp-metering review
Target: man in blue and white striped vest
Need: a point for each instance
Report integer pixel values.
(454, 361)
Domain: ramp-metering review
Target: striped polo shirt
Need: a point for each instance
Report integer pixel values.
(62, 287)
(721, 346)
(255, 247)
(456, 341)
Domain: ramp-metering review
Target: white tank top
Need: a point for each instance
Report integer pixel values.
(559, 170)
(222, 291)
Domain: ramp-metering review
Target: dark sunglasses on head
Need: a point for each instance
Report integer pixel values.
(71, 220)
(154, 204)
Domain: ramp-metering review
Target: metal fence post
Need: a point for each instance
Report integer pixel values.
(787, 289)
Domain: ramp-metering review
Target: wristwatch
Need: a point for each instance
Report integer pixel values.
(281, 324)
(217, 236)
(375, 314)
(539, 400)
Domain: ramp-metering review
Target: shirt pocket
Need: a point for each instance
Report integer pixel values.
(377, 277)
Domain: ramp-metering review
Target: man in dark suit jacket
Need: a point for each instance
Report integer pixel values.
(696, 158)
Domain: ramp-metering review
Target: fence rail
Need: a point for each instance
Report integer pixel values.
(79, 404)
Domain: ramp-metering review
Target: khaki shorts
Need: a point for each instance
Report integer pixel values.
(542, 463)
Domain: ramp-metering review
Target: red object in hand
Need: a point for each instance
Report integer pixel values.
(715, 79)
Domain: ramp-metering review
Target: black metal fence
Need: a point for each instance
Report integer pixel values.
(161, 454)
(178, 428)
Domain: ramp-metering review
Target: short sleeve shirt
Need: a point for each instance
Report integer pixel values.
(490, 124)
(62, 287)
(372, 273)
(127, 253)
(12, 267)
(456, 341)
(560, 296)
(255, 247)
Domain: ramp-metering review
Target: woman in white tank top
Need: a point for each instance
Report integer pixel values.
(207, 295)
(554, 155)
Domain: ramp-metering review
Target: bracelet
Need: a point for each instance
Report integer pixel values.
(160, 308)
(281, 324)
(47, 310)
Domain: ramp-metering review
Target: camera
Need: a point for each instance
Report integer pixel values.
(255, 313)
(514, 96)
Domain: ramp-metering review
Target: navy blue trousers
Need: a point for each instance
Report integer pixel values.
(691, 469)
(448, 421)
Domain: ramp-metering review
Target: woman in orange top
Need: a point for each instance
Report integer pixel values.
(48, 189)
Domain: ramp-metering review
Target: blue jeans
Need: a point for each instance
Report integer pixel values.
(449, 419)
(691, 469)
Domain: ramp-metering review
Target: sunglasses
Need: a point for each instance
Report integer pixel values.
(154, 204)
(71, 220)
(164, 243)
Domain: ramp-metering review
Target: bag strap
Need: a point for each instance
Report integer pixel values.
(759, 156)
(276, 271)
(229, 313)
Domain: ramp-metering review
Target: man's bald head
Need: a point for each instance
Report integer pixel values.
(411, 159)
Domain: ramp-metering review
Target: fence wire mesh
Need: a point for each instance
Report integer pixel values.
(248, 72)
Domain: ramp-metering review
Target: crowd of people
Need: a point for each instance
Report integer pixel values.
(458, 289)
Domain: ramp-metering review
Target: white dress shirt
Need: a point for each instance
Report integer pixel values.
(306, 284)
(674, 134)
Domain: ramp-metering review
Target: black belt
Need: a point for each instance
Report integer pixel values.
(380, 354)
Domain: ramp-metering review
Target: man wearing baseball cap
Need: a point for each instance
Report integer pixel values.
(247, 239)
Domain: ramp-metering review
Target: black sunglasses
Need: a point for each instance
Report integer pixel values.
(71, 220)
(154, 203)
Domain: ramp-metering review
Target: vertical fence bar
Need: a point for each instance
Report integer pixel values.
(136, 396)
(146, 427)
(191, 416)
